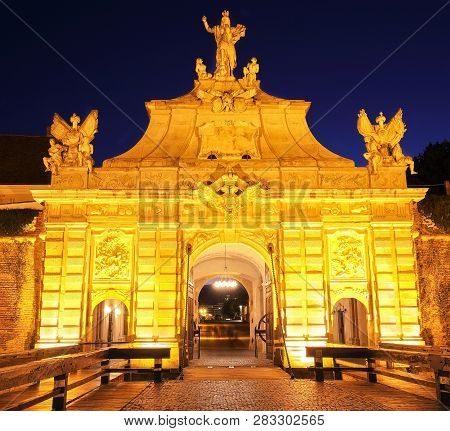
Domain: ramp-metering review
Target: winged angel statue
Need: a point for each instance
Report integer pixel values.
(74, 146)
(382, 141)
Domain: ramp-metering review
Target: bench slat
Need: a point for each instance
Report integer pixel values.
(22, 405)
(39, 370)
(139, 353)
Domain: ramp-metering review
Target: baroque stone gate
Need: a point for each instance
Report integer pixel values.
(228, 163)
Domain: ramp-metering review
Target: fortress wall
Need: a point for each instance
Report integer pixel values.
(433, 266)
(20, 280)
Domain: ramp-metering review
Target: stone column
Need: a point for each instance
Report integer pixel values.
(304, 288)
(64, 283)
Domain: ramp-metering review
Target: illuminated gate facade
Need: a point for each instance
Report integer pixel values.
(229, 163)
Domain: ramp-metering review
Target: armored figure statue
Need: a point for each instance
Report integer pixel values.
(226, 37)
(250, 71)
(54, 162)
(75, 140)
(200, 68)
(383, 141)
(85, 151)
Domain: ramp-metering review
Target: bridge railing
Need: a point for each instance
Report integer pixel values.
(59, 368)
(435, 360)
(25, 356)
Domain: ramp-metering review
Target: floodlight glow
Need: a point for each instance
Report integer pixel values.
(225, 283)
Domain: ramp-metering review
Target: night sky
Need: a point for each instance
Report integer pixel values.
(210, 295)
(135, 51)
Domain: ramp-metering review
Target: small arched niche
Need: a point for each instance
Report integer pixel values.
(350, 324)
(110, 322)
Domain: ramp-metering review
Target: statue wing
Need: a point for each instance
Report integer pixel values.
(364, 126)
(248, 94)
(208, 196)
(59, 127)
(252, 193)
(89, 126)
(205, 95)
(396, 128)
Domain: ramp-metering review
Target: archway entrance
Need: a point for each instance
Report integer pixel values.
(350, 322)
(224, 319)
(231, 292)
(110, 321)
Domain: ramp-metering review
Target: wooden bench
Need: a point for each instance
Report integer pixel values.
(439, 363)
(156, 353)
(60, 367)
(318, 353)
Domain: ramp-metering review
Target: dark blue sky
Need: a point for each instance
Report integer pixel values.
(134, 51)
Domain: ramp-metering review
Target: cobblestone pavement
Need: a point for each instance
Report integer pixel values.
(249, 395)
(386, 395)
(244, 386)
(226, 358)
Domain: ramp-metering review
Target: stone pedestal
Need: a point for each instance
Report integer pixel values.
(71, 178)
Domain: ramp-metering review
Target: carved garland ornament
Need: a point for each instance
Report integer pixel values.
(112, 257)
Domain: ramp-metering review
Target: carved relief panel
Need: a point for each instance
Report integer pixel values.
(347, 266)
(228, 139)
(355, 178)
(347, 256)
(113, 254)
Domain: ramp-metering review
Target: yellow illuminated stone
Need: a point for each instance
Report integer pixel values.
(229, 163)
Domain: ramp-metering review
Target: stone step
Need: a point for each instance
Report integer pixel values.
(234, 373)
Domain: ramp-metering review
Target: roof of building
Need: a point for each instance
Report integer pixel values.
(21, 159)
(228, 120)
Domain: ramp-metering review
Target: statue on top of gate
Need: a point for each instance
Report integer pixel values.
(226, 37)
(73, 147)
(383, 141)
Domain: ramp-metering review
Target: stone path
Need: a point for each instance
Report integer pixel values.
(239, 381)
(226, 358)
(235, 373)
(249, 395)
(248, 389)
(393, 398)
(236, 380)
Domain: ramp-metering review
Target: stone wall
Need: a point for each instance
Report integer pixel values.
(20, 281)
(433, 265)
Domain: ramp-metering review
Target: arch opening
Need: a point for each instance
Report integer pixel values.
(223, 315)
(110, 321)
(231, 292)
(350, 322)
